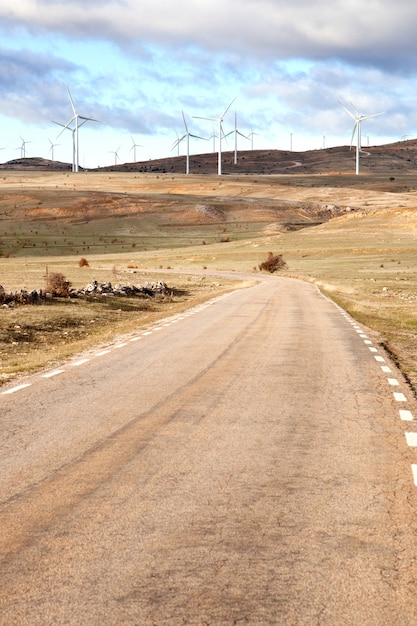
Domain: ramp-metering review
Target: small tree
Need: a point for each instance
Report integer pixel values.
(273, 263)
(57, 285)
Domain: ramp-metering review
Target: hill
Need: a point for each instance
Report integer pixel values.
(399, 157)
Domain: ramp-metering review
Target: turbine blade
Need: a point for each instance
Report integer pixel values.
(353, 132)
(72, 102)
(227, 108)
(88, 119)
(352, 115)
(212, 119)
(185, 123)
(64, 127)
(366, 117)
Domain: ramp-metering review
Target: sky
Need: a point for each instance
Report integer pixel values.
(137, 65)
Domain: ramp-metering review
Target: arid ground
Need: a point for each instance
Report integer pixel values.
(354, 236)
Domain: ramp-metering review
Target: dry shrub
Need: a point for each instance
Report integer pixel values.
(83, 262)
(57, 285)
(273, 263)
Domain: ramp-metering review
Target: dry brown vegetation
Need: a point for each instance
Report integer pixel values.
(127, 224)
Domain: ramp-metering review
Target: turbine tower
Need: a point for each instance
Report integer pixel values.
(186, 136)
(116, 154)
(134, 146)
(219, 121)
(358, 118)
(51, 149)
(72, 131)
(236, 132)
(22, 148)
(250, 136)
(76, 118)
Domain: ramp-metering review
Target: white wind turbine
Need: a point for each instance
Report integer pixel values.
(214, 137)
(22, 148)
(358, 119)
(72, 131)
(134, 146)
(250, 136)
(219, 121)
(116, 154)
(236, 132)
(51, 149)
(186, 136)
(76, 118)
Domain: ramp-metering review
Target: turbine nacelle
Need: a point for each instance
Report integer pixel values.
(358, 118)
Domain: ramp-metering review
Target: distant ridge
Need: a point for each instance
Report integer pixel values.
(400, 157)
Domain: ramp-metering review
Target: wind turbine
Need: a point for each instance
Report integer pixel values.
(358, 119)
(116, 154)
(214, 137)
(72, 131)
(236, 132)
(187, 137)
(51, 149)
(22, 148)
(76, 118)
(250, 136)
(134, 146)
(219, 121)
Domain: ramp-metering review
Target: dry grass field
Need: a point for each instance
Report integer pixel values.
(355, 237)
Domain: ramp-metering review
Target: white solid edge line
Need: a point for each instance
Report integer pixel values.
(406, 416)
(14, 389)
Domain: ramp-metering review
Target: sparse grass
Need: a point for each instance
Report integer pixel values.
(366, 261)
(35, 336)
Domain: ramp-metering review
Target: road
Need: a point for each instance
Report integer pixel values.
(245, 463)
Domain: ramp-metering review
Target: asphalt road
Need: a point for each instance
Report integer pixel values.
(243, 464)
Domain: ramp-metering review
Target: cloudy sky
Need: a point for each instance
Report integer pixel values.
(135, 65)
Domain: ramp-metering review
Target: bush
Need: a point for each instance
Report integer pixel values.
(83, 262)
(273, 263)
(57, 285)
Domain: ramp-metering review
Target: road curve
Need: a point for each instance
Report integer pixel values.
(244, 463)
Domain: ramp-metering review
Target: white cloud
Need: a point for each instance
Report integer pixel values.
(135, 65)
(380, 32)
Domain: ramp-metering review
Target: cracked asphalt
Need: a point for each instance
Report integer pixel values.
(243, 464)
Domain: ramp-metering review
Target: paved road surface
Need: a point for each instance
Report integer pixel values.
(244, 464)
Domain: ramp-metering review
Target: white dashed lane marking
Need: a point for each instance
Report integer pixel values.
(406, 416)
(120, 345)
(52, 374)
(411, 439)
(399, 397)
(393, 381)
(80, 362)
(17, 388)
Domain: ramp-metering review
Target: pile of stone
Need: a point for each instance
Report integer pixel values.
(148, 290)
(107, 289)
